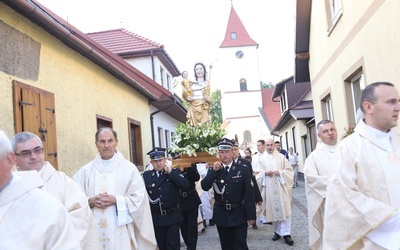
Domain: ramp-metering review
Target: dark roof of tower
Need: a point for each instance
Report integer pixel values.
(236, 27)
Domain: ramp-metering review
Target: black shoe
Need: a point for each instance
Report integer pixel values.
(268, 223)
(211, 223)
(276, 237)
(288, 240)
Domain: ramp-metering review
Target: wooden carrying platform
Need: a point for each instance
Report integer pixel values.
(186, 161)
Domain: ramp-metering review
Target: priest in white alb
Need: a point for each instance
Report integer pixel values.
(117, 195)
(320, 165)
(276, 175)
(29, 155)
(30, 218)
(363, 202)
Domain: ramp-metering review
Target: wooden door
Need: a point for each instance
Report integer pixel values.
(34, 111)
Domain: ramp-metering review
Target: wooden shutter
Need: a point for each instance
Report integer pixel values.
(34, 111)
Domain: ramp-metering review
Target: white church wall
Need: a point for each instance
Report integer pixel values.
(228, 69)
(240, 104)
(255, 125)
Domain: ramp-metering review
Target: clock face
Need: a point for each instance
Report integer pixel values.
(239, 54)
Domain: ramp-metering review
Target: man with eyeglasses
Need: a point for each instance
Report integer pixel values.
(28, 150)
(30, 218)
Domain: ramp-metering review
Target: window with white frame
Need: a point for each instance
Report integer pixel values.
(167, 139)
(334, 12)
(162, 76)
(306, 145)
(353, 88)
(312, 133)
(287, 141)
(294, 139)
(169, 82)
(283, 102)
(247, 136)
(172, 136)
(327, 110)
(160, 137)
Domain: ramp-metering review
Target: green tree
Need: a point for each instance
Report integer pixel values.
(215, 109)
(268, 85)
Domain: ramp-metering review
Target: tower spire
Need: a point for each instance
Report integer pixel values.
(236, 34)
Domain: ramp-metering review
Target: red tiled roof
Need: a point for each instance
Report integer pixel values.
(235, 25)
(271, 110)
(120, 41)
(129, 45)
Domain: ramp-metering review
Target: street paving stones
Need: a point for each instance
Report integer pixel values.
(260, 239)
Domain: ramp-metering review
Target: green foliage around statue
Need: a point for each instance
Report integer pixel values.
(191, 139)
(215, 110)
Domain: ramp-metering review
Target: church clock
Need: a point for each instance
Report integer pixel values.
(239, 54)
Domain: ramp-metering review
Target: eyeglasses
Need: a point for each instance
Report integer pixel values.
(28, 153)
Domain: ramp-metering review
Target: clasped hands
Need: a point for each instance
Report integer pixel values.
(271, 173)
(102, 200)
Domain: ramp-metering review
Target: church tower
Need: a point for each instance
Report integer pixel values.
(236, 74)
(237, 59)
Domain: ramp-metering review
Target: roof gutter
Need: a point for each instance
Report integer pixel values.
(32, 9)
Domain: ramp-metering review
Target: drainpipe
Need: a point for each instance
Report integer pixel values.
(152, 123)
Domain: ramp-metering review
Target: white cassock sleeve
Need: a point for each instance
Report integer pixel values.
(387, 234)
(123, 216)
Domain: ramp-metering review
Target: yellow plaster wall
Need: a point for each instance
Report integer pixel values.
(82, 90)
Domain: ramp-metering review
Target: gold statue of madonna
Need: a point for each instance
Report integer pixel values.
(197, 94)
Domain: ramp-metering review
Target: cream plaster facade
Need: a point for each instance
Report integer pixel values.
(82, 90)
(295, 133)
(363, 41)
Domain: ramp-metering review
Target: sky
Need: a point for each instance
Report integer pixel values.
(192, 30)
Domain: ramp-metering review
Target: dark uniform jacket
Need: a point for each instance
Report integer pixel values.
(164, 192)
(189, 197)
(284, 153)
(236, 205)
(257, 193)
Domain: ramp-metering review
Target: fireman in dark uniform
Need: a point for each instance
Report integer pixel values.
(234, 205)
(189, 203)
(239, 160)
(163, 185)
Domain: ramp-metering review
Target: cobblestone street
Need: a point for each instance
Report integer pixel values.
(260, 239)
